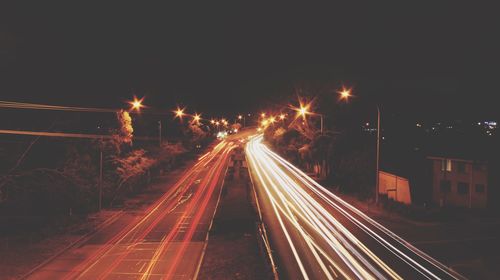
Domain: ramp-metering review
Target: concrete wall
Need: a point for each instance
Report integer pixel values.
(395, 187)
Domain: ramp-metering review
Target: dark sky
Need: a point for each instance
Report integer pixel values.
(423, 59)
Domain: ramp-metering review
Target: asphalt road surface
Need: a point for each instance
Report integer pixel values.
(317, 235)
(166, 241)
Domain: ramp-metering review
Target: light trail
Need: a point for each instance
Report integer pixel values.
(106, 261)
(327, 237)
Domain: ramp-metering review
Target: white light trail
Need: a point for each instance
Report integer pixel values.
(299, 201)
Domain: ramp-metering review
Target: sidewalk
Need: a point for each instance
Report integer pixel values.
(233, 248)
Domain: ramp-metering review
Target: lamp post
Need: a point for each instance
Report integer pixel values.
(345, 94)
(159, 132)
(321, 122)
(242, 117)
(378, 156)
(100, 174)
(304, 110)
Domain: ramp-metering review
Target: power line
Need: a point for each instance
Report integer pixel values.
(22, 105)
(68, 135)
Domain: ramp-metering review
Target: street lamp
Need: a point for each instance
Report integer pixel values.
(179, 113)
(197, 118)
(303, 110)
(136, 104)
(240, 117)
(345, 93)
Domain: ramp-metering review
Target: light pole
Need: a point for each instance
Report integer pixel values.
(100, 174)
(378, 155)
(345, 93)
(321, 121)
(242, 117)
(159, 132)
(303, 110)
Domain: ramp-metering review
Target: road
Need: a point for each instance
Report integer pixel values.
(166, 241)
(317, 235)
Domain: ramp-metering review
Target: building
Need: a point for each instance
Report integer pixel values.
(460, 182)
(394, 187)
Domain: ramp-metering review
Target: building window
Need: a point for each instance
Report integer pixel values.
(480, 188)
(461, 167)
(445, 186)
(462, 188)
(446, 165)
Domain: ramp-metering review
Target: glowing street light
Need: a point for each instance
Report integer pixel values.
(303, 110)
(345, 93)
(282, 116)
(179, 113)
(242, 117)
(197, 118)
(263, 115)
(212, 121)
(272, 119)
(136, 104)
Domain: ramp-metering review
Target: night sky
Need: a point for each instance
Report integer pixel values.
(424, 60)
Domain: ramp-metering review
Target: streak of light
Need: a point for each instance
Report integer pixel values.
(134, 231)
(299, 201)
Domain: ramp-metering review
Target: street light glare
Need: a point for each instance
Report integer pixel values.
(197, 118)
(136, 103)
(240, 117)
(282, 116)
(345, 93)
(303, 111)
(179, 112)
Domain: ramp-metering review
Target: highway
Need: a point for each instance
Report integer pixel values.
(166, 241)
(314, 234)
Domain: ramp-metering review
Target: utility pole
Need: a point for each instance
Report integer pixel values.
(159, 132)
(100, 175)
(378, 156)
(321, 124)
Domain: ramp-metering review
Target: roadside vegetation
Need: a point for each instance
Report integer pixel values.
(64, 186)
(340, 156)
